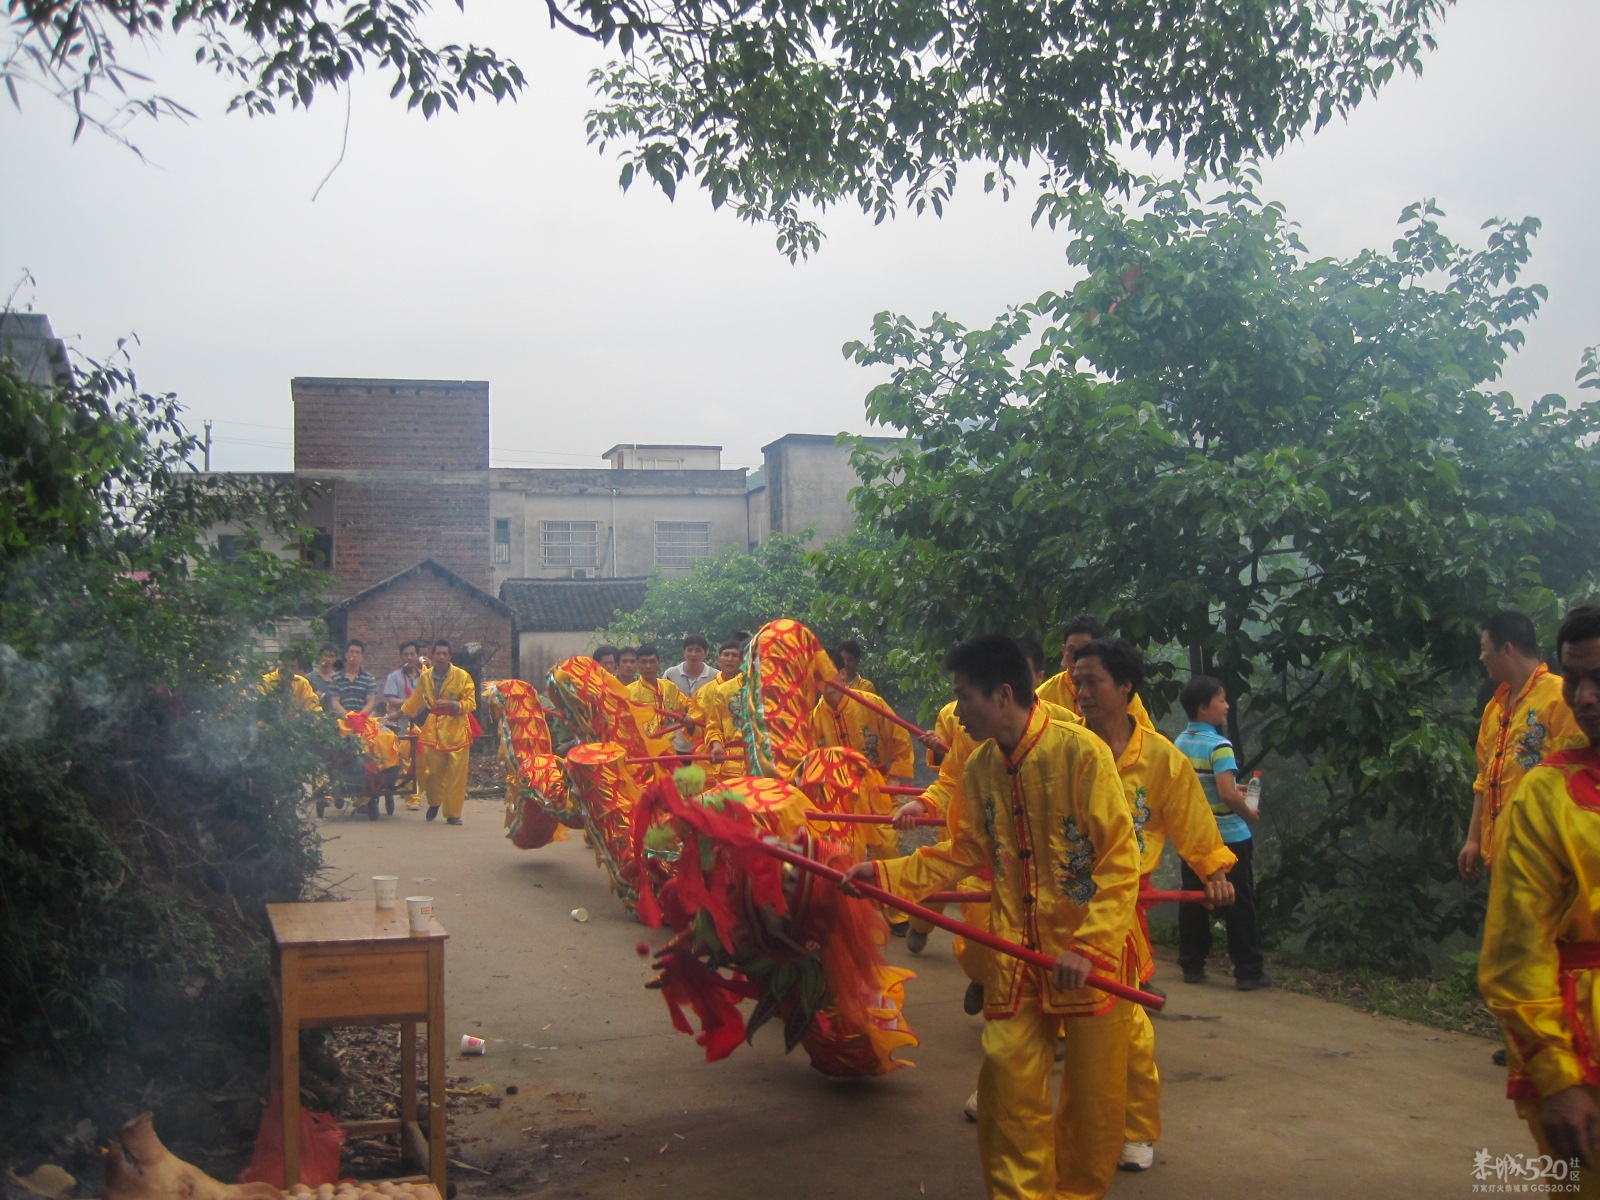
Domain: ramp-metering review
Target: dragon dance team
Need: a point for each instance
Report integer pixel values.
(1058, 796)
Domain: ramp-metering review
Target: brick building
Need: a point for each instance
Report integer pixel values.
(428, 602)
(422, 538)
(406, 462)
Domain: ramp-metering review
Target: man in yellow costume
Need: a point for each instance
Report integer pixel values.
(444, 746)
(840, 720)
(948, 747)
(1059, 689)
(1167, 803)
(1043, 809)
(287, 679)
(1525, 719)
(1541, 941)
(659, 697)
(709, 711)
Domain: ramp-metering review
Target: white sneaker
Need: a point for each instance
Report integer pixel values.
(971, 1108)
(1137, 1156)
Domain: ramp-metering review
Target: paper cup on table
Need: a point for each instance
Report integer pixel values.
(471, 1045)
(385, 888)
(420, 910)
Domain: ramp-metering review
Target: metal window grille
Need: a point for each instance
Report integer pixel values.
(681, 543)
(502, 539)
(570, 543)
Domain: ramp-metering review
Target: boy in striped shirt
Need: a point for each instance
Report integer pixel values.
(1206, 702)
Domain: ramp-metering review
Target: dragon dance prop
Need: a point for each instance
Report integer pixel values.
(746, 929)
(785, 670)
(599, 774)
(615, 764)
(594, 705)
(841, 781)
(983, 937)
(539, 806)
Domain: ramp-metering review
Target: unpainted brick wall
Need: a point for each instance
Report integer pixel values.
(426, 608)
(409, 424)
(407, 462)
(381, 529)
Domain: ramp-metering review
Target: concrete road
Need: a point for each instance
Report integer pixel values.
(1266, 1094)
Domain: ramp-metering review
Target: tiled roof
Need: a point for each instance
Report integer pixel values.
(570, 605)
(428, 566)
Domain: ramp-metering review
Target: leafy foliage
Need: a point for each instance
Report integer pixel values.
(149, 795)
(769, 106)
(1286, 469)
(722, 595)
(735, 591)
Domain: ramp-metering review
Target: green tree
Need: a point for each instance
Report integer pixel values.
(770, 106)
(734, 592)
(1288, 470)
(149, 796)
(722, 595)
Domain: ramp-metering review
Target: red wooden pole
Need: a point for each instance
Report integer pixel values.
(1151, 896)
(864, 818)
(882, 710)
(982, 936)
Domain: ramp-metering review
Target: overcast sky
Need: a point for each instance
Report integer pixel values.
(495, 244)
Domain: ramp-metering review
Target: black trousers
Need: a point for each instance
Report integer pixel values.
(1244, 935)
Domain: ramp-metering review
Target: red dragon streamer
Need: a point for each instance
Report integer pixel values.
(538, 803)
(749, 930)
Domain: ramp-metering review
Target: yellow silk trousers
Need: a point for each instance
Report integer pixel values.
(1143, 1120)
(1028, 1153)
(442, 775)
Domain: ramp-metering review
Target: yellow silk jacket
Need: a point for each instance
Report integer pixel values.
(665, 695)
(1543, 917)
(709, 709)
(886, 745)
(441, 731)
(300, 690)
(1059, 689)
(1051, 822)
(1167, 802)
(1515, 733)
(942, 798)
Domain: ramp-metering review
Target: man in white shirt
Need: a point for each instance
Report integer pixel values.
(689, 676)
(693, 673)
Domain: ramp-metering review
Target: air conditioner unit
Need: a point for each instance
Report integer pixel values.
(581, 572)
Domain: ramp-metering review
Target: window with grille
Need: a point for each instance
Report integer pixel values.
(681, 543)
(502, 539)
(570, 543)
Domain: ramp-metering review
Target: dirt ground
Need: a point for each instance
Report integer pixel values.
(1265, 1094)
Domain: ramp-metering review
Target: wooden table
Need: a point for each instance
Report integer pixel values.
(353, 964)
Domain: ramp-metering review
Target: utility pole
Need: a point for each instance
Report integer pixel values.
(208, 447)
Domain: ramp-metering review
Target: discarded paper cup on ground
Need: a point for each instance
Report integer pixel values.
(472, 1045)
(580, 914)
(420, 909)
(385, 888)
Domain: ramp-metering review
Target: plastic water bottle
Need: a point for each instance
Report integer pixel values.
(1252, 792)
